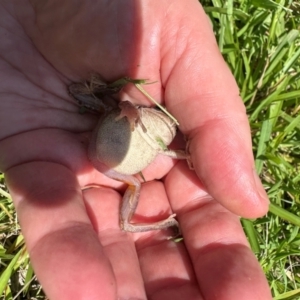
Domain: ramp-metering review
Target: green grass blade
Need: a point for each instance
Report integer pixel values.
(284, 214)
(265, 134)
(291, 295)
(272, 97)
(251, 234)
(5, 276)
(289, 63)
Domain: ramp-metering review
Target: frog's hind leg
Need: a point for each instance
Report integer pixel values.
(130, 202)
(128, 207)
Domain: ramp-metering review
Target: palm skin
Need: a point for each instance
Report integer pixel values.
(76, 247)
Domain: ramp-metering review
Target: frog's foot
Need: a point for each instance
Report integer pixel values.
(141, 227)
(84, 94)
(101, 88)
(84, 97)
(95, 81)
(88, 87)
(132, 114)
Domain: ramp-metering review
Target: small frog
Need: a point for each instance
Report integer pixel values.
(125, 141)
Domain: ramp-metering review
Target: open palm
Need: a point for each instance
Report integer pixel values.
(75, 244)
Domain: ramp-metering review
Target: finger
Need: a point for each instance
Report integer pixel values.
(218, 248)
(65, 251)
(54, 145)
(201, 92)
(165, 264)
(103, 206)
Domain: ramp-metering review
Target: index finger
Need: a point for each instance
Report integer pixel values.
(202, 93)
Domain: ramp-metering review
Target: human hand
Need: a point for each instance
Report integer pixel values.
(76, 247)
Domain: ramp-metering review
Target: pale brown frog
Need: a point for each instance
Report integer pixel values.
(126, 140)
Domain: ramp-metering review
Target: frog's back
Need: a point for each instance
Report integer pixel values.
(119, 148)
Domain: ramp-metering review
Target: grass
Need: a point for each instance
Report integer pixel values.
(260, 41)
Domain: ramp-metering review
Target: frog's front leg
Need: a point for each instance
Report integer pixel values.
(176, 154)
(130, 202)
(179, 154)
(132, 114)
